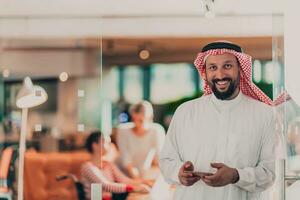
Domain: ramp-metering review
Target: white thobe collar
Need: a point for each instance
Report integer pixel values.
(225, 105)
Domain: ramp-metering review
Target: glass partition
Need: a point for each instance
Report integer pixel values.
(286, 81)
(93, 83)
(67, 64)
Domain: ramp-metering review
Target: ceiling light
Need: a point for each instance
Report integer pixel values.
(144, 54)
(63, 77)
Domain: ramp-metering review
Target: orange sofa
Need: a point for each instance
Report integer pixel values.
(41, 170)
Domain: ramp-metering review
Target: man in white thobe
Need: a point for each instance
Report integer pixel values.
(221, 145)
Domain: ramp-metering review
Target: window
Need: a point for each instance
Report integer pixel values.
(268, 72)
(109, 87)
(171, 82)
(133, 88)
(257, 75)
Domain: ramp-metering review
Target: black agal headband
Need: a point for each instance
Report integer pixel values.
(222, 45)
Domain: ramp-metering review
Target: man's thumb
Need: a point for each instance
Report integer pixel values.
(188, 166)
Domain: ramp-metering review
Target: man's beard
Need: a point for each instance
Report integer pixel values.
(226, 94)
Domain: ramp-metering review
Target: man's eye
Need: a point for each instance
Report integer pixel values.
(228, 66)
(212, 67)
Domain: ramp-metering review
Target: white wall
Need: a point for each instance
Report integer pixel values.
(47, 63)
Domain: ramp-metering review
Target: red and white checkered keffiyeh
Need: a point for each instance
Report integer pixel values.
(246, 85)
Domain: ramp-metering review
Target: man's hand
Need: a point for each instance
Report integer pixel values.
(224, 176)
(186, 176)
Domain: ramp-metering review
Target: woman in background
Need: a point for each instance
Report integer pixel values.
(99, 171)
(139, 142)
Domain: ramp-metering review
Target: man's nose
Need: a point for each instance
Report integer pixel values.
(220, 74)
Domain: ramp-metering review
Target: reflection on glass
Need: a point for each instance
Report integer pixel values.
(278, 79)
(292, 117)
(268, 72)
(294, 137)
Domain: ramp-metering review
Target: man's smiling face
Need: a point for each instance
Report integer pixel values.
(223, 75)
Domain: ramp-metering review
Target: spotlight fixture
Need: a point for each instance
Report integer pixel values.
(209, 8)
(63, 77)
(144, 54)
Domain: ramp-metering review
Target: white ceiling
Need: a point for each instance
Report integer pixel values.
(112, 8)
(135, 18)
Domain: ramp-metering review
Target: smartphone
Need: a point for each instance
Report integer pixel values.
(201, 174)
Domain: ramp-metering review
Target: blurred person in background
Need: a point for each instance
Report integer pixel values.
(97, 170)
(140, 141)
